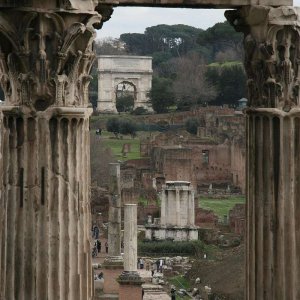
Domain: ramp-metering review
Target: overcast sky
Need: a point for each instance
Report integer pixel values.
(137, 19)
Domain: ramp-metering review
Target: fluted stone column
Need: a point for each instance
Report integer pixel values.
(272, 62)
(130, 280)
(113, 264)
(45, 59)
(114, 226)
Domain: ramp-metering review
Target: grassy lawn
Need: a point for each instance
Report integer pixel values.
(220, 207)
(180, 283)
(117, 144)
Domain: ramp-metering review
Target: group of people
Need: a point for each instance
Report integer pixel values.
(157, 266)
(97, 248)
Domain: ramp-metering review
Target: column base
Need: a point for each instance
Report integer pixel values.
(130, 286)
(112, 267)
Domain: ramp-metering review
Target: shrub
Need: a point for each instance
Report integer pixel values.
(140, 111)
(194, 248)
(113, 125)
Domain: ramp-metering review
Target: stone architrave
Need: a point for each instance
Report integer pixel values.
(45, 60)
(113, 264)
(272, 63)
(130, 280)
(116, 69)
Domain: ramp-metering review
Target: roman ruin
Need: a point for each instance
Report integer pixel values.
(130, 280)
(113, 263)
(45, 58)
(177, 217)
(115, 72)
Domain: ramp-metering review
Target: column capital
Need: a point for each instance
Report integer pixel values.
(272, 47)
(46, 57)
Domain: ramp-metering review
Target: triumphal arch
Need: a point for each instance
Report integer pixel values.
(46, 53)
(123, 74)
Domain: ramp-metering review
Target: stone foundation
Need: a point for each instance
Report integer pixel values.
(174, 233)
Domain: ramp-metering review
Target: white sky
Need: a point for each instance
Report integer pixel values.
(136, 19)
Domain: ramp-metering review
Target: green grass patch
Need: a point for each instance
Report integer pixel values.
(220, 207)
(180, 282)
(116, 145)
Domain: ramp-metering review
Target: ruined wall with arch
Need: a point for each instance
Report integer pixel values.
(114, 70)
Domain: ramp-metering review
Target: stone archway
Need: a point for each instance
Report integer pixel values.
(126, 91)
(115, 69)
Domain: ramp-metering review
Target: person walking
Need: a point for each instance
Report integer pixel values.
(161, 263)
(141, 263)
(106, 247)
(157, 265)
(153, 267)
(98, 246)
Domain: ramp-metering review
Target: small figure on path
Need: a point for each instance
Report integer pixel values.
(153, 269)
(161, 263)
(157, 265)
(106, 247)
(141, 263)
(98, 246)
(173, 293)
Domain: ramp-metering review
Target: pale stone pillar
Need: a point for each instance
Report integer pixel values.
(113, 264)
(191, 209)
(45, 59)
(114, 226)
(163, 208)
(130, 280)
(272, 47)
(130, 237)
(177, 204)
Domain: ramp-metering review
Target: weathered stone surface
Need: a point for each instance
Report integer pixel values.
(272, 65)
(118, 69)
(204, 3)
(45, 60)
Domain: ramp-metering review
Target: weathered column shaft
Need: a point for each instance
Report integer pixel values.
(177, 205)
(272, 52)
(130, 237)
(191, 208)
(45, 60)
(114, 226)
(163, 208)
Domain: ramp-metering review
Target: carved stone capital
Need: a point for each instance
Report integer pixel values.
(46, 57)
(272, 54)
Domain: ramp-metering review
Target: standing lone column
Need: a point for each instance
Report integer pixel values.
(130, 280)
(272, 63)
(113, 264)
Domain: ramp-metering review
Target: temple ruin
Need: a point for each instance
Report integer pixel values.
(45, 61)
(177, 217)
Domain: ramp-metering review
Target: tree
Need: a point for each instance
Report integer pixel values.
(109, 46)
(113, 125)
(125, 103)
(127, 127)
(191, 125)
(222, 37)
(230, 81)
(161, 94)
(190, 85)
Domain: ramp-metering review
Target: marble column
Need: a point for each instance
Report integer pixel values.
(45, 60)
(191, 208)
(272, 63)
(130, 280)
(114, 226)
(113, 264)
(163, 208)
(177, 205)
